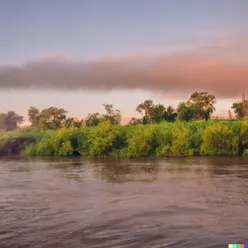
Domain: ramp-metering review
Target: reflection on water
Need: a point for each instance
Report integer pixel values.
(74, 202)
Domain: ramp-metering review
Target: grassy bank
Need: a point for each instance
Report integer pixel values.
(216, 137)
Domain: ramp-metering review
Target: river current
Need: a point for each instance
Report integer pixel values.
(74, 202)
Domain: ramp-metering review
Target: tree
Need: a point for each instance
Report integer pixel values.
(240, 109)
(203, 104)
(2, 126)
(170, 114)
(135, 121)
(92, 120)
(146, 109)
(199, 106)
(114, 116)
(11, 120)
(33, 114)
(72, 122)
(155, 113)
(52, 118)
(111, 115)
(185, 112)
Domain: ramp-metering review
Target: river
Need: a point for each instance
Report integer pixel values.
(74, 202)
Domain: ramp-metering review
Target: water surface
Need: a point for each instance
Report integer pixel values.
(73, 202)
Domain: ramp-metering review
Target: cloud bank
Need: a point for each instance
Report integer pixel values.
(220, 68)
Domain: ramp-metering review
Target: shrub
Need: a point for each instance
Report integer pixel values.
(140, 144)
(219, 139)
(101, 139)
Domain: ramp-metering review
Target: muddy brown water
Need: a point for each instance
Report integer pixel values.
(74, 202)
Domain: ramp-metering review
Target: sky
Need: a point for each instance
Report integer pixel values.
(79, 54)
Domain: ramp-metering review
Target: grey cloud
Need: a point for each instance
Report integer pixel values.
(208, 68)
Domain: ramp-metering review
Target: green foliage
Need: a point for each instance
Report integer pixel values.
(14, 142)
(113, 116)
(10, 120)
(219, 139)
(140, 142)
(181, 140)
(93, 120)
(46, 146)
(199, 106)
(73, 122)
(49, 118)
(33, 114)
(196, 129)
(2, 126)
(163, 137)
(101, 139)
(135, 121)
(216, 137)
(244, 137)
(240, 109)
(185, 112)
(153, 113)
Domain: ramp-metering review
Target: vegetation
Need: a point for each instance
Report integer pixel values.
(161, 131)
(10, 120)
(215, 137)
(240, 109)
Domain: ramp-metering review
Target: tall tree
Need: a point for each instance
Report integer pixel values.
(2, 126)
(34, 115)
(170, 114)
(52, 118)
(203, 104)
(113, 115)
(155, 113)
(199, 106)
(11, 120)
(240, 109)
(185, 112)
(92, 119)
(73, 122)
(135, 121)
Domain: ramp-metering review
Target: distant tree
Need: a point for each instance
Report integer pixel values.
(72, 122)
(146, 109)
(240, 109)
(199, 106)
(92, 120)
(2, 126)
(11, 120)
(203, 104)
(34, 115)
(155, 113)
(185, 112)
(170, 114)
(135, 121)
(113, 115)
(52, 118)
(230, 114)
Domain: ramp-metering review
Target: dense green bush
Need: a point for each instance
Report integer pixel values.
(163, 137)
(101, 139)
(216, 137)
(140, 142)
(220, 139)
(14, 142)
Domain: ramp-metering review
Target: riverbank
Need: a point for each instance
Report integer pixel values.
(197, 138)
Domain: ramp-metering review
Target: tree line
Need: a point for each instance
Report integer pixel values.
(199, 106)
